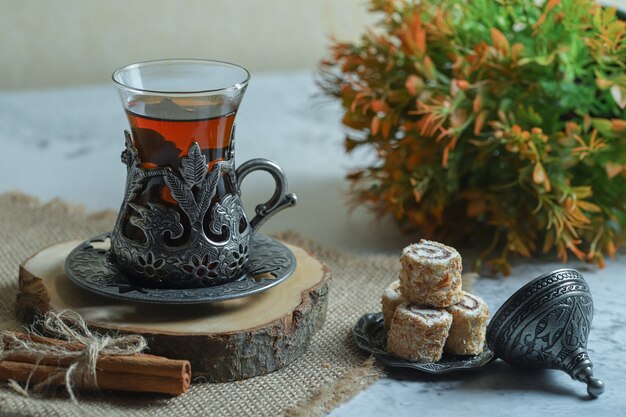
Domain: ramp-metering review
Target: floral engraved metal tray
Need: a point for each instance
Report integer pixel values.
(88, 266)
(370, 336)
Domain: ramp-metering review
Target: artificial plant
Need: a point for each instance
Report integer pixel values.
(497, 118)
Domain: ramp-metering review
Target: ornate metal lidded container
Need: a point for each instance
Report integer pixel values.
(545, 324)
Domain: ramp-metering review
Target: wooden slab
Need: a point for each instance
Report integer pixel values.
(224, 341)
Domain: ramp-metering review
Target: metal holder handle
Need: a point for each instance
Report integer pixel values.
(279, 201)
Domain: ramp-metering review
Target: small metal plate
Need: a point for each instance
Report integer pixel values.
(370, 336)
(87, 266)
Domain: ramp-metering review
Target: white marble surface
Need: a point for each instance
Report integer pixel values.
(66, 143)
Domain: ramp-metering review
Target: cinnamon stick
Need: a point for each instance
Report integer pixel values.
(138, 372)
(107, 380)
(141, 363)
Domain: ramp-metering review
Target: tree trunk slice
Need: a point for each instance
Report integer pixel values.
(224, 341)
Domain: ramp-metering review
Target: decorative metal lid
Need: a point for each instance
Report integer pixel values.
(545, 324)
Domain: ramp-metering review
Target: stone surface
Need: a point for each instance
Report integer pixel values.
(53, 140)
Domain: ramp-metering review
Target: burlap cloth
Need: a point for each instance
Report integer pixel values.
(330, 373)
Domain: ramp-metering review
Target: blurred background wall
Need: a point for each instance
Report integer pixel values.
(47, 43)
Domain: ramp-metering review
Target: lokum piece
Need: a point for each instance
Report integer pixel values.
(418, 334)
(391, 299)
(431, 274)
(469, 324)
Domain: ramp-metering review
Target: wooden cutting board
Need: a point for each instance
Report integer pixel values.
(224, 341)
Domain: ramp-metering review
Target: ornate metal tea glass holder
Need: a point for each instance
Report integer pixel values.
(200, 269)
(199, 260)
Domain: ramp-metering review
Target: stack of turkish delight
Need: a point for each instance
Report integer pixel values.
(426, 313)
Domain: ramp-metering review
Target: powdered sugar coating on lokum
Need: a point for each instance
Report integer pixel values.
(428, 252)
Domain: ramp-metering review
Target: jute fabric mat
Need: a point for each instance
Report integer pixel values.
(330, 373)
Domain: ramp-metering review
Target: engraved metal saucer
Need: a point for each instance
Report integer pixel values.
(87, 266)
(370, 335)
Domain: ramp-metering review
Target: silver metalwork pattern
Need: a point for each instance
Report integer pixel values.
(370, 336)
(279, 201)
(89, 266)
(202, 240)
(546, 324)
